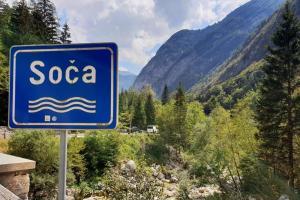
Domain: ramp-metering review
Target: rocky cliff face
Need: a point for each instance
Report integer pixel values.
(190, 55)
(254, 50)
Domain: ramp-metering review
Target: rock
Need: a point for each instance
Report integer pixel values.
(284, 197)
(202, 192)
(93, 198)
(174, 179)
(155, 174)
(161, 176)
(170, 191)
(168, 175)
(70, 198)
(166, 181)
(129, 166)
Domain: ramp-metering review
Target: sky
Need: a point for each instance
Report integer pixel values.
(139, 27)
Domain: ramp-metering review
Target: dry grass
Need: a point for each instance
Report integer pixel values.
(3, 145)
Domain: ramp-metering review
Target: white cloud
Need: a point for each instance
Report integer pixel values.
(138, 26)
(123, 69)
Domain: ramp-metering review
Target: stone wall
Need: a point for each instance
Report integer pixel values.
(17, 182)
(5, 133)
(14, 174)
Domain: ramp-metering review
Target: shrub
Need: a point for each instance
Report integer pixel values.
(138, 186)
(76, 162)
(260, 181)
(101, 148)
(42, 147)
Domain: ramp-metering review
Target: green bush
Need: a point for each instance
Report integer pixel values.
(42, 147)
(76, 163)
(259, 181)
(140, 185)
(101, 148)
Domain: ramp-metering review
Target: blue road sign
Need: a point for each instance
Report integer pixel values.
(64, 86)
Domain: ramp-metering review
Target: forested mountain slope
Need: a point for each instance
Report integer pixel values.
(253, 51)
(189, 55)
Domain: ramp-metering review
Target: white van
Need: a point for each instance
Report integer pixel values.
(152, 129)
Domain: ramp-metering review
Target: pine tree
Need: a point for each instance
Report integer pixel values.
(139, 114)
(150, 110)
(4, 16)
(21, 18)
(44, 13)
(180, 111)
(165, 95)
(39, 26)
(277, 107)
(65, 35)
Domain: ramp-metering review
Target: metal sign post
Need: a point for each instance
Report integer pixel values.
(62, 180)
(63, 87)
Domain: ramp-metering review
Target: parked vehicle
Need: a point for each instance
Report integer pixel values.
(152, 129)
(134, 129)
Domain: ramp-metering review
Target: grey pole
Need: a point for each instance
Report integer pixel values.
(62, 179)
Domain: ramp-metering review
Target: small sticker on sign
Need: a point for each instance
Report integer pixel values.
(47, 118)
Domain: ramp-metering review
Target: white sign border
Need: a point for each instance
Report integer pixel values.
(63, 124)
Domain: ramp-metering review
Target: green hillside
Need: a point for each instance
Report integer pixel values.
(229, 92)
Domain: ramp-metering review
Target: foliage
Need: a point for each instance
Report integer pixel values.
(132, 147)
(83, 190)
(278, 105)
(25, 23)
(180, 113)
(100, 149)
(139, 118)
(65, 35)
(42, 186)
(140, 186)
(260, 182)
(41, 147)
(76, 162)
(221, 142)
(228, 93)
(150, 110)
(3, 78)
(165, 95)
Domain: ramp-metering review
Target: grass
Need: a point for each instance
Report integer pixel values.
(3, 145)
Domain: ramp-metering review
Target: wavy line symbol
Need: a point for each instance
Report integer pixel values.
(62, 106)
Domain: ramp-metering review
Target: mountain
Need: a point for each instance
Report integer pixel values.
(254, 50)
(126, 80)
(190, 55)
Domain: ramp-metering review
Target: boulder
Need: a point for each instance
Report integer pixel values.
(173, 179)
(129, 166)
(284, 197)
(161, 176)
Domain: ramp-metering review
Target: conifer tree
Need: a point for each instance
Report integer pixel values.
(277, 107)
(65, 35)
(44, 13)
(180, 112)
(150, 110)
(165, 95)
(38, 24)
(139, 114)
(21, 18)
(4, 16)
